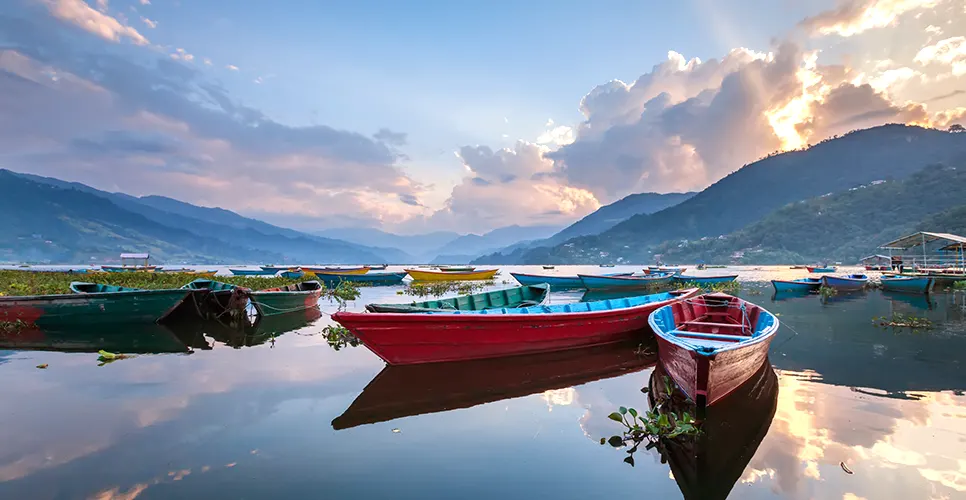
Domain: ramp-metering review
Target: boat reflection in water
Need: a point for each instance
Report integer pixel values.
(707, 466)
(140, 338)
(407, 390)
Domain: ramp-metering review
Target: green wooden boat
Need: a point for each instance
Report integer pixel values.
(286, 299)
(90, 305)
(521, 296)
(214, 298)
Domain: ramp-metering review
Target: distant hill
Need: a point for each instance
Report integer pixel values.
(844, 226)
(609, 216)
(422, 247)
(752, 192)
(81, 222)
(472, 245)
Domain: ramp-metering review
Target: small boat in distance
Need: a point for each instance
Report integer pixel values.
(849, 282)
(250, 272)
(424, 275)
(909, 284)
(705, 280)
(379, 267)
(521, 296)
(607, 265)
(557, 283)
(623, 282)
(712, 344)
(402, 339)
(293, 274)
(817, 269)
(675, 270)
(549, 267)
(368, 279)
(800, 285)
(274, 269)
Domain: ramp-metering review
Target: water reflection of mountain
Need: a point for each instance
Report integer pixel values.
(708, 465)
(839, 340)
(136, 338)
(402, 391)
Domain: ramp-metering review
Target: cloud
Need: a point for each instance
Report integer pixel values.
(231, 67)
(149, 23)
(950, 52)
(511, 186)
(102, 5)
(852, 17)
(161, 128)
(145, 2)
(207, 61)
(80, 14)
(387, 136)
(182, 55)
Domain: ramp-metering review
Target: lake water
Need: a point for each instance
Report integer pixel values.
(257, 416)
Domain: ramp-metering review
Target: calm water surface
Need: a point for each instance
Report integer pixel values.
(246, 416)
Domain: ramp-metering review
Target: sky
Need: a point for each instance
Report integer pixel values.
(464, 116)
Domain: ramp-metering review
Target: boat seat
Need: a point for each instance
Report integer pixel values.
(713, 325)
(712, 336)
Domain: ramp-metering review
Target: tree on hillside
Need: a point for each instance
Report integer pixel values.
(956, 128)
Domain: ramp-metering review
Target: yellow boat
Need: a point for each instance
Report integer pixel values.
(422, 275)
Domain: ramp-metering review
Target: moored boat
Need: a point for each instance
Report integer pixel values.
(292, 274)
(250, 272)
(336, 270)
(402, 339)
(274, 269)
(623, 282)
(556, 282)
(849, 282)
(129, 269)
(704, 280)
(90, 305)
(712, 344)
(424, 275)
(404, 391)
(378, 267)
(520, 296)
(214, 298)
(457, 268)
(607, 265)
(286, 299)
(368, 279)
(797, 285)
(878, 268)
(675, 270)
(549, 267)
(818, 269)
(910, 284)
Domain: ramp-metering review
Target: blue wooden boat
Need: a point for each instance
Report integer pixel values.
(704, 280)
(712, 344)
(292, 274)
(849, 282)
(370, 279)
(555, 282)
(804, 285)
(623, 282)
(250, 272)
(911, 284)
(273, 269)
(816, 269)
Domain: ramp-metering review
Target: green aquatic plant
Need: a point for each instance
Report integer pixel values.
(651, 427)
(726, 287)
(20, 283)
(339, 337)
(899, 320)
(440, 288)
(959, 285)
(827, 291)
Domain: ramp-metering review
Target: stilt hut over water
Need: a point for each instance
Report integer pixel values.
(942, 255)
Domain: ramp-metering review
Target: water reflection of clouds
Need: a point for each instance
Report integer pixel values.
(817, 427)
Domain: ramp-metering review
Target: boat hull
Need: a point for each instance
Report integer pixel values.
(292, 275)
(821, 269)
(91, 309)
(421, 275)
(336, 270)
(907, 284)
(250, 272)
(402, 339)
(555, 282)
(370, 279)
(621, 282)
(840, 283)
(287, 299)
(796, 286)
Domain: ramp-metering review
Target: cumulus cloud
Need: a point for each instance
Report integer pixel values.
(950, 52)
(231, 67)
(181, 54)
(511, 186)
(149, 23)
(852, 17)
(145, 2)
(161, 128)
(80, 14)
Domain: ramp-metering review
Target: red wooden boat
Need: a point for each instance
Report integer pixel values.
(713, 343)
(402, 339)
(404, 391)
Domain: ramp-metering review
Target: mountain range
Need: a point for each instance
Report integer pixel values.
(888, 152)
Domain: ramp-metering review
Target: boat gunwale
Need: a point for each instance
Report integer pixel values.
(679, 342)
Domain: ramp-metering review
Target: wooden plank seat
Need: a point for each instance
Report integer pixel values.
(712, 325)
(710, 336)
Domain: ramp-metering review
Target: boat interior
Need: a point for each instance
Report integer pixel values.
(714, 320)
